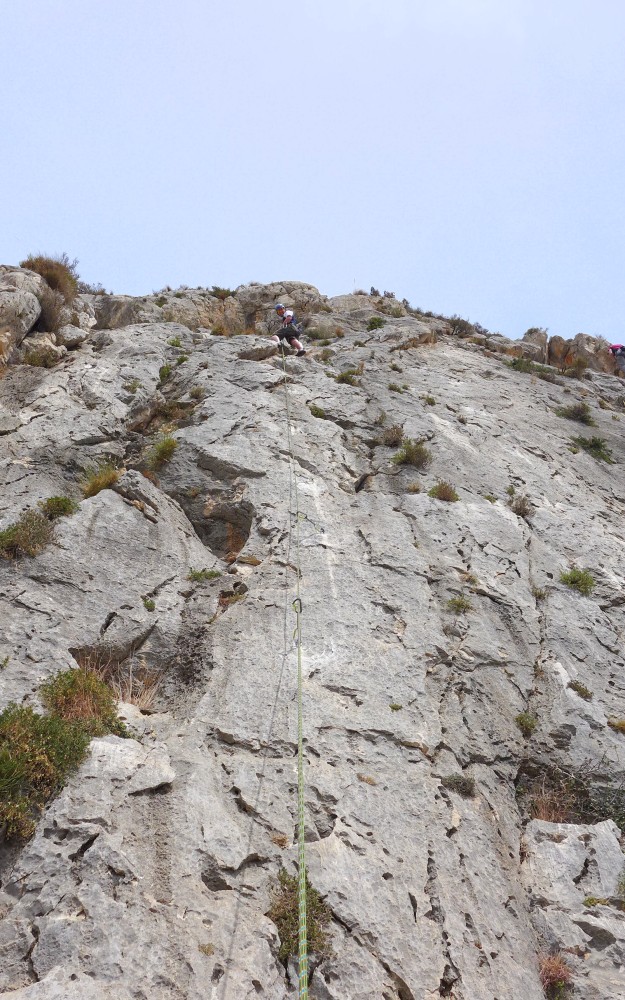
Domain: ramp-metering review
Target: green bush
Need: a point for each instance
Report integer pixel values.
(375, 323)
(175, 342)
(37, 754)
(161, 452)
(317, 411)
(221, 293)
(164, 372)
(393, 387)
(284, 912)
(462, 784)
(578, 579)
(55, 507)
(581, 690)
(595, 446)
(149, 604)
(392, 436)
(443, 491)
(527, 723)
(413, 453)
(80, 696)
(577, 411)
(100, 477)
(348, 377)
(27, 537)
(198, 575)
(429, 400)
(459, 604)
(530, 368)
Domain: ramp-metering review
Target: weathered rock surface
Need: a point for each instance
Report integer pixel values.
(151, 874)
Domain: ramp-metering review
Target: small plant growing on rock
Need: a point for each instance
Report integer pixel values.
(413, 453)
(577, 411)
(392, 436)
(395, 706)
(581, 690)
(367, 779)
(180, 360)
(555, 976)
(199, 575)
(55, 507)
(490, 498)
(459, 605)
(133, 385)
(539, 593)
(175, 342)
(149, 604)
(206, 949)
(578, 579)
(82, 697)
(101, 477)
(618, 725)
(527, 723)
(317, 411)
(41, 357)
(198, 392)
(37, 753)
(393, 387)
(164, 372)
(348, 377)
(162, 452)
(27, 537)
(443, 491)
(429, 400)
(375, 323)
(284, 912)
(520, 505)
(221, 293)
(595, 446)
(396, 368)
(413, 487)
(462, 784)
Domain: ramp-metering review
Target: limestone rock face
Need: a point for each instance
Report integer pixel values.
(463, 707)
(20, 308)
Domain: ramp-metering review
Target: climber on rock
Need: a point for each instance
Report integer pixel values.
(289, 330)
(618, 353)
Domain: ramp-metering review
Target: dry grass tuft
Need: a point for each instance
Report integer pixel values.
(100, 477)
(555, 976)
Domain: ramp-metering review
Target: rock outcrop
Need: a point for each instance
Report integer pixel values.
(464, 758)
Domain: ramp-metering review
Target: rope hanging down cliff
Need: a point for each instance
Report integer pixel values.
(297, 605)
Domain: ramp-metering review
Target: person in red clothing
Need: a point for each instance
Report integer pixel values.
(289, 329)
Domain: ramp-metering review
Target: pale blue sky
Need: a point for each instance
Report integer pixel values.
(466, 154)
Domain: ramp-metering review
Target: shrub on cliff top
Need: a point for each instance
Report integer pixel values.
(59, 272)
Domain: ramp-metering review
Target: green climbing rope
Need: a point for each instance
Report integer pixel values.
(297, 605)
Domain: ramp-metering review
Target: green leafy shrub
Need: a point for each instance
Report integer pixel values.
(527, 723)
(577, 411)
(160, 301)
(459, 604)
(578, 579)
(164, 372)
(161, 452)
(413, 453)
(180, 360)
(149, 604)
(396, 368)
(198, 575)
(429, 400)
(581, 690)
(443, 491)
(317, 411)
(27, 537)
(133, 385)
(221, 293)
(55, 507)
(80, 696)
(462, 784)
(395, 706)
(59, 272)
(375, 323)
(175, 342)
(100, 477)
(595, 446)
(284, 912)
(37, 754)
(393, 387)
(530, 368)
